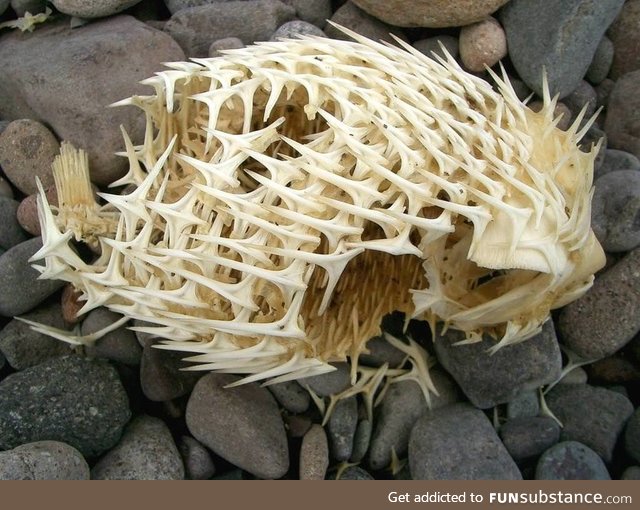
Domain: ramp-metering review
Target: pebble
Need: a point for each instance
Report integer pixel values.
(591, 415)
(603, 92)
(198, 464)
(120, 345)
(228, 43)
(3, 5)
(92, 8)
(70, 399)
(608, 316)
(615, 369)
(196, 28)
(458, 442)
(350, 16)
(527, 437)
(617, 160)
(312, 11)
(361, 440)
(631, 473)
(5, 188)
(492, 379)
(626, 39)
(27, 213)
(162, 374)
(314, 454)
(178, 5)
(622, 123)
(43, 460)
(615, 210)
(537, 36)
(293, 397)
(145, 452)
(432, 14)
(601, 63)
(524, 404)
(583, 96)
(355, 473)
(242, 424)
(297, 425)
(592, 137)
(67, 70)
(632, 436)
(341, 428)
(23, 347)
(71, 304)
(561, 110)
(379, 352)
(577, 376)
(571, 460)
(20, 7)
(27, 149)
(432, 45)
(16, 273)
(482, 44)
(11, 233)
(329, 383)
(295, 28)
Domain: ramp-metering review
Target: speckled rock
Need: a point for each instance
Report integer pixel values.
(93, 8)
(482, 44)
(331, 382)
(228, 43)
(341, 428)
(70, 399)
(432, 45)
(17, 274)
(626, 39)
(198, 464)
(355, 473)
(632, 436)
(591, 415)
(119, 345)
(24, 347)
(571, 460)
(295, 28)
(529, 436)
(27, 149)
(458, 442)
(43, 460)
(430, 13)
(622, 123)
(491, 379)
(615, 210)
(11, 233)
(350, 16)
(293, 397)
(66, 79)
(312, 11)
(314, 454)
(608, 316)
(196, 28)
(601, 63)
(524, 404)
(241, 424)
(145, 452)
(31, 6)
(27, 213)
(162, 374)
(560, 35)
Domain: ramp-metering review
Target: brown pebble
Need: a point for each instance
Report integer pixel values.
(615, 369)
(28, 211)
(482, 44)
(297, 425)
(314, 454)
(71, 305)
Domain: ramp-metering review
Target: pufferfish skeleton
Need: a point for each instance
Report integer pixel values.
(290, 194)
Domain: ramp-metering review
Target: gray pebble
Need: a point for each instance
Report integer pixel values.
(458, 442)
(577, 376)
(355, 473)
(20, 7)
(92, 8)
(529, 436)
(293, 397)
(571, 460)
(584, 95)
(314, 454)
(361, 440)
(16, 273)
(145, 452)
(331, 382)
(601, 63)
(120, 345)
(608, 316)
(618, 160)
(24, 347)
(312, 11)
(6, 190)
(295, 28)
(241, 424)
(11, 233)
(491, 379)
(228, 43)
(178, 5)
(198, 464)
(524, 404)
(380, 352)
(623, 114)
(432, 45)
(591, 415)
(4, 4)
(631, 473)
(70, 399)
(616, 210)
(162, 374)
(350, 16)
(603, 92)
(43, 460)
(342, 427)
(632, 436)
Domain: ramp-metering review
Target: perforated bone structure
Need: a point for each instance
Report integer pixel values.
(290, 194)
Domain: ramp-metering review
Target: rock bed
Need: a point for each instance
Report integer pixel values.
(123, 409)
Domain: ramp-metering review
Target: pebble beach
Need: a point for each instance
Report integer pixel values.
(563, 405)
